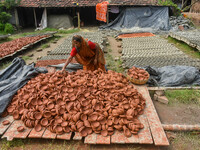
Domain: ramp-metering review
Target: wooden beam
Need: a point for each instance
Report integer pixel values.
(16, 18)
(107, 16)
(172, 88)
(35, 18)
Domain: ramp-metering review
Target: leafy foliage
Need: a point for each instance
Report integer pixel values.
(177, 10)
(8, 28)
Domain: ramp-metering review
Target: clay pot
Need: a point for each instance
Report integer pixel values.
(66, 129)
(5, 122)
(127, 132)
(58, 120)
(93, 117)
(64, 123)
(10, 109)
(84, 132)
(38, 115)
(38, 128)
(16, 114)
(104, 132)
(87, 123)
(50, 105)
(44, 122)
(83, 117)
(58, 130)
(47, 114)
(95, 124)
(20, 129)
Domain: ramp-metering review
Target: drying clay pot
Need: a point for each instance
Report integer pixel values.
(44, 122)
(20, 129)
(38, 115)
(5, 122)
(104, 133)
(38, 127)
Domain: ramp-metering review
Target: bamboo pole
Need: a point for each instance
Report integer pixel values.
(172, 88)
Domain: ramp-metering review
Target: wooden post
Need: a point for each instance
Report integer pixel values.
(16, 18)
(35, 17)
(79, 21)
(107, 16)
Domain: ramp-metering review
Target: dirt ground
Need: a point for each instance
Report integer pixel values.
(181, 114)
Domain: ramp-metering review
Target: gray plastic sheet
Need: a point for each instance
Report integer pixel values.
(141, 19)
(15, 77)
(173, 76)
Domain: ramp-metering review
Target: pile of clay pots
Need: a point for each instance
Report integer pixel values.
(15, 45)
(81, 101)
(137, 75)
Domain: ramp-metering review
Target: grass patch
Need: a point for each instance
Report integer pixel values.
(5, 145)
(113, 65)
(45, 46)
(193, 52)
(68, 31)
(186, 140)
(183, 96)
(5, 65)
(26, 58)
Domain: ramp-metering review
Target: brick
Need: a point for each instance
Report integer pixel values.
(163, 99)
(160, 92)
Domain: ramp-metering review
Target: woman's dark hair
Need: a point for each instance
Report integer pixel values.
(77, 38)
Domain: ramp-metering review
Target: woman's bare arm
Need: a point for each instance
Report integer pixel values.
(69, 59)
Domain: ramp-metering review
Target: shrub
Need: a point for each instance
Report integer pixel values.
(8, 28)
(2, 27)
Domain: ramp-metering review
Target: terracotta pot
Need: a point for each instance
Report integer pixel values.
(47, 114)
(87, 123)
(58, 130)
(44, 122)
(83, 117)
(38, 115)
(95, 124)
(84, 132)
(20, 129)
(50, 105)
(38, 128)
(5, 122)
(16, 114)
(64, 123)
(59, 120)
(127, 132)
(104, 132)
(66, 129)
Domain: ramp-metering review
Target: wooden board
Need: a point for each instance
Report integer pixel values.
(97, 139)
(156, 128)
(48, 135)
(3, 128)
(143, 137)
(35, 134)
(12, 132)
(77, 136)
(65, 136)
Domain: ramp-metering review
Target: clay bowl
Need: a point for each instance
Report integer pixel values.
(10, 109)
(38, 115)
(104, 132)
(16, 114)
(20, 129)
(87, 123)
(44, 122)
(127, 132)
(5, 122)
(38, 128)
(84, 132)
(66, 129)
(47, 114)
(59, 120)
(64, 123)
(58, 129)
(50, 105)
